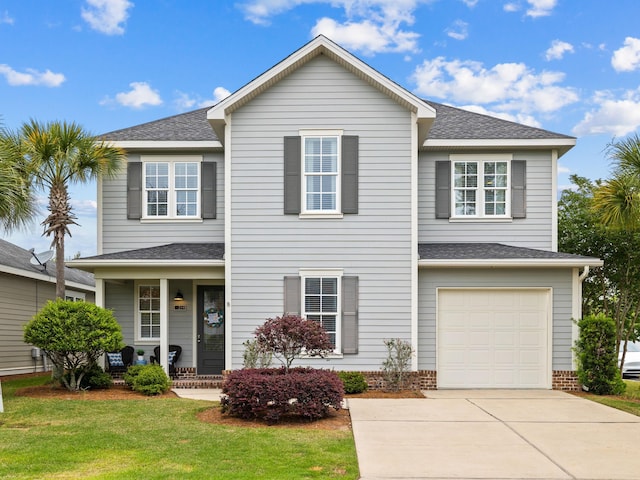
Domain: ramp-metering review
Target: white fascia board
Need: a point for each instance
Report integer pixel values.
(510, 262)
(167, 144)
(44, 278)
(562, 144)
(319, 45)
(90, 264)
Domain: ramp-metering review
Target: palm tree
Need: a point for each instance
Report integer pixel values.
(17, 206)
(56, 155)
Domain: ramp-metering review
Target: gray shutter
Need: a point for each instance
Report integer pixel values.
(443, 189)
(292, 295)
(518, 189)
(208, 189)
(350, 174)
(292, 175)
(349, 315)
(134, 190)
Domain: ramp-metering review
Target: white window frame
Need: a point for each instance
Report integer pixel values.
(138, 312)
(75, 296)
(172, 161)
(325, 273)
(481, 160)
(337, 134)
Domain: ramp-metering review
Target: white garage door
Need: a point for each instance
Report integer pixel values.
(493, 338)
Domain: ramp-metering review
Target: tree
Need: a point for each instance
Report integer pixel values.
(291, 335)
(16, 199)
(54, 156)
(73, 335)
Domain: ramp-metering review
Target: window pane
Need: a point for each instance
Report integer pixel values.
(313, 184)
(312, 164)
(145, 331)
(312, 286)
(489, 167)
(312, 145)
(330, 286)
(501, 167)
(313, 201)
(155, 331)
(330, 146)
(330, 303)
(312, 303)
(328, 201)
(501, 181)
(329, 322)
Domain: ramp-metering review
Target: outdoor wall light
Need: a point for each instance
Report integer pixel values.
(179, 297)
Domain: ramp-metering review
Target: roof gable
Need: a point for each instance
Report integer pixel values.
(321, 45)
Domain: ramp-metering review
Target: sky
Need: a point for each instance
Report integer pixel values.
(569, 66)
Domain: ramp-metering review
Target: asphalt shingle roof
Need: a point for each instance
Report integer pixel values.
(451, 123)
(190, 126)
(16, 257)
(487, 251)
(172, 251)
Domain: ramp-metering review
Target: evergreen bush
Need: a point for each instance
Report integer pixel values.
(353, 382)
(595, 349)
(151, 380)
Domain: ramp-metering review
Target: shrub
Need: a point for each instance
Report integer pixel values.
(397, 363)
(290, 335)
(595, 349)
(254, 356)
(130, 375)
(94, 377)
(150, 380)
(270, 393)
(73, 335)
(353, 382)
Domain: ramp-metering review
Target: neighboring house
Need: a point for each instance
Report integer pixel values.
(323, 188)
(25, 287)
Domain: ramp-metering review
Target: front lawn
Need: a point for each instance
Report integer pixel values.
(628, 402)
(156, 438)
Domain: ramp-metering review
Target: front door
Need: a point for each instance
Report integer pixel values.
(210, 329)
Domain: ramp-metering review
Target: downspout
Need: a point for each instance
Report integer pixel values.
(584, 274)
(577, 308)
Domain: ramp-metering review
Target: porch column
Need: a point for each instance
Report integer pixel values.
(164, 324)
(100, 292)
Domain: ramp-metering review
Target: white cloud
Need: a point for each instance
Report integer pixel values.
(508, 87)
(627, 58)
(557, 50)
(366, 36)
(141, 95)
(613, 116)
(6, 18)
(541, 8)
(511, 7)
(107, 16)
(516, 117)
(470, 3)
(184, 101)
(31, 77)
(371, 26)
(563, 170)
(459, 30)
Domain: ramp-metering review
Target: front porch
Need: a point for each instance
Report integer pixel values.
(186, 377)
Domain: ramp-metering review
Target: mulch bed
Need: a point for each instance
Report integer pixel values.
(336, 420)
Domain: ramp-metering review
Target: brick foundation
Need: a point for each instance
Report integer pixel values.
(420, 380)
(566, 380)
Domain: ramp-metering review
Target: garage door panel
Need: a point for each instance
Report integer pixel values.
(493, 338)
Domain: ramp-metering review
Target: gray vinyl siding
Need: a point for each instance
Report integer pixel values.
(373, 245)
(559, 280)
(534, 231)
(121, 298)
(21, 298)
(119, 233)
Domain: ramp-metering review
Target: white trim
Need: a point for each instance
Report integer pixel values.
(89, 263)
(172, 162)
(44, 278)
(166, 144)
(481, 157)
(228, 259)
(164, 325)
(321, 132)
(139, 339)
(576, 310)
(337, 174)
(554, 200)
(99, 217)
(336, 273)
(414, 244)
(317, 216)
(508, 262)
(562, 144)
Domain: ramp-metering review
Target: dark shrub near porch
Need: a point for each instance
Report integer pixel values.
(270, 393)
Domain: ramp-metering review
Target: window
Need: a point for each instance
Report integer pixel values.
(321, 182)
(480, 188)
(74, 296)
(321, 304)
(148, 312)
(171, 188)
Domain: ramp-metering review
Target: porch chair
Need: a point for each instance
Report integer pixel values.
(118, 362)
(174, 356)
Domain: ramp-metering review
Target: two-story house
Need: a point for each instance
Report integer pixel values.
(323, 188)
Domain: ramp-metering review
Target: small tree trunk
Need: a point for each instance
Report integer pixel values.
(60, 281)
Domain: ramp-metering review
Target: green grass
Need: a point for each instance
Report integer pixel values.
(628, 402)
(156, 439)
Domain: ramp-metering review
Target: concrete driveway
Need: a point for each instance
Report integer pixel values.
(494, 434)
